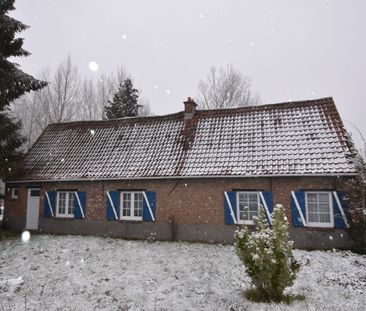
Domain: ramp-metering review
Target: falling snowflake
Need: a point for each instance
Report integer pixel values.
(92, 132)
(167, 91)
(93, 66)
(25, 237)
(156, 87)
(201, 15)
(124, 37)
(252, 44)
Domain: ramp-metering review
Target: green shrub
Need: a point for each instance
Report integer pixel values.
(267, 255)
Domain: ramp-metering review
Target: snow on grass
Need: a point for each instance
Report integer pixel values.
(89, 273)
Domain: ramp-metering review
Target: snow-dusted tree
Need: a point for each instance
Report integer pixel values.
(356, 206)
(13, 81)
(124, 103)
(226, 88)
(107, 86)
(13, 84)
(267, 255)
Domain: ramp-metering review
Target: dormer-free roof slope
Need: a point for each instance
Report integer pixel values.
(294, 138)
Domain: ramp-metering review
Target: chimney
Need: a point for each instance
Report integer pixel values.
(189, 108)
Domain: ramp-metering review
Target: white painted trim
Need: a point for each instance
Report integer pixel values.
(66, 215)
(111, 202)
(341, 208)
(231, 208)
(81, 208)
(299, 209)
(148, 205)
(132, 206)
(266, 207)
(13, 195)
(331, 214)
(49, 203)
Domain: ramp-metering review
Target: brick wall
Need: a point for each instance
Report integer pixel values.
(186, 201)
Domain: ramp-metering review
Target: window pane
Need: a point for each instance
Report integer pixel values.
(323, 208)
(324, 198)
(324, 218)
(61, 202)
(312, 197)
(138, 205)
(71, 202)
(126, 204)
(313, 217)
(312, 207)
(34, 193)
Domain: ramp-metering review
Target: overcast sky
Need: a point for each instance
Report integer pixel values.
(292, 50)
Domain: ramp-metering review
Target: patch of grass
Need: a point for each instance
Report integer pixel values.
(256, 296)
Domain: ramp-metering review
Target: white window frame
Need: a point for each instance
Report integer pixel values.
(241, 221)
(66, 215)
(331, 213)
(14, 195)
(132, 206)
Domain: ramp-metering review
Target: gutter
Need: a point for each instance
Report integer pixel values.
(181, 177)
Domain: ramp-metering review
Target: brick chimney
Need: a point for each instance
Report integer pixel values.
(189, 108)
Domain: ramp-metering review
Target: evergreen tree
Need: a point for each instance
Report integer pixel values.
(10, 142)
(13, 84)
(13, 81)
(124, 102)
(267, 255)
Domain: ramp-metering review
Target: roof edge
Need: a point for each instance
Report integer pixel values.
(182, 177)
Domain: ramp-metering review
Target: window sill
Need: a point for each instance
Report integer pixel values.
(321, 225)
(65, 217)
(131, 221)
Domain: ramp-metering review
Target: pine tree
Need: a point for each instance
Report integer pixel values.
(13, 84)
(10, 142)
(124, 102)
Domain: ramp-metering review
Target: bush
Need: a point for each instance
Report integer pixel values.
(267, 255)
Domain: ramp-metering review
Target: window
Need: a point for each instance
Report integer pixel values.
(247, 206)
(319, 211)
(14, 193)
(65, 204)
(131, 205)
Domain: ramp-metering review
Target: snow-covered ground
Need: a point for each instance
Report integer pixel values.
(91, 273)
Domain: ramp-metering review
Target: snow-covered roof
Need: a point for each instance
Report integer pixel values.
(293, 138)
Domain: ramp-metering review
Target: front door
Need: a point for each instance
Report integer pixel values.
(33, 209)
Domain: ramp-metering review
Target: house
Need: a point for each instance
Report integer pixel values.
(193, 175)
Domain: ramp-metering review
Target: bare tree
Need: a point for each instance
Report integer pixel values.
(144, 107)
(68, 98)
(225, 88)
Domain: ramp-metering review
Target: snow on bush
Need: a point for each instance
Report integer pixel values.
(267, 255)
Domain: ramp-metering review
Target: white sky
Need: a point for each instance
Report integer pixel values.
(291, 49)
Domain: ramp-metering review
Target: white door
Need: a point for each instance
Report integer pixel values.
(33, 209)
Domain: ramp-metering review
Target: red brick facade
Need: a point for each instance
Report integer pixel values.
(187, 201)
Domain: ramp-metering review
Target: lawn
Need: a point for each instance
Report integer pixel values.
(92, 273)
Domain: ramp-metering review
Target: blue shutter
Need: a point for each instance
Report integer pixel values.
(49, 204)
(296, 217)
(149, 206)
(114, 196)
(339, 221)
(230, 213)
(267, 196)
(79, 211)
